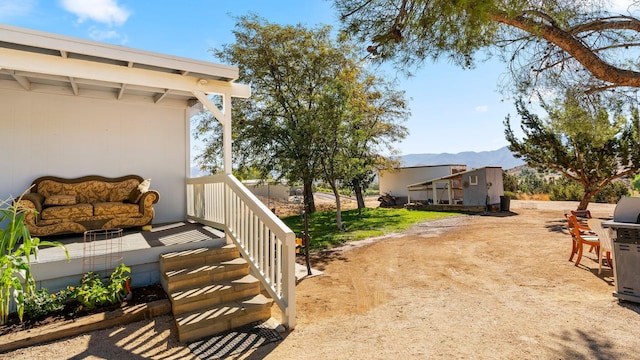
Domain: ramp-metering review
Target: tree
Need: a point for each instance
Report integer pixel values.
(306, 89)
(287, 68)
(568, 42)
(361, 112)
(374, 127)
(635, 183)
(334, 165)
(510, 182)
(590, 147)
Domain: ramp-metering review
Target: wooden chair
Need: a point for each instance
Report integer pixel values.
(584, 228)
(583, 216)
(606, 244)
(581, 236)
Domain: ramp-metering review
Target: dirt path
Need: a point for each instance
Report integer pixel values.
(471, 287)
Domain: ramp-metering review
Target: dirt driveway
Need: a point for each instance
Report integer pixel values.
(470, 287)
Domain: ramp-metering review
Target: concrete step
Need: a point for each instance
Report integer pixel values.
(207, 296)
(190, 277)
(197, 257)
(226, 316)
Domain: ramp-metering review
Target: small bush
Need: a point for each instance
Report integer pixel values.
(93, 292)
(510, 194)
(41, 302)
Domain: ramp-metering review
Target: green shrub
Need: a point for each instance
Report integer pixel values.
(612, 192)
(42, 303)
(93, 292)
(510, 194)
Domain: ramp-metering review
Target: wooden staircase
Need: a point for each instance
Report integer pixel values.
(211, 291)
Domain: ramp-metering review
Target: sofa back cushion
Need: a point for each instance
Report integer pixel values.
(90, 191)
(120, 190)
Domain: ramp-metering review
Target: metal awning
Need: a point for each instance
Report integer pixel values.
(428, 184)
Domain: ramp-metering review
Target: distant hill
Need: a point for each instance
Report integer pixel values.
(501, 157)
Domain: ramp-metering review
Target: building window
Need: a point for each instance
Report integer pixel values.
(473, 179)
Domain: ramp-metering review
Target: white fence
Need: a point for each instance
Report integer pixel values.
(263, 239)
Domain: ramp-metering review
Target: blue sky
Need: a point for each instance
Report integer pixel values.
(453, 110)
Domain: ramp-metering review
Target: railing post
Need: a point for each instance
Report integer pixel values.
(289, 280)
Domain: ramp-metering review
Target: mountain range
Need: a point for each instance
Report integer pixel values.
(501, 157)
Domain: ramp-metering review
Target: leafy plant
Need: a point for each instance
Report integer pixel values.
(16, 248)
(41, 302)
(93, 292)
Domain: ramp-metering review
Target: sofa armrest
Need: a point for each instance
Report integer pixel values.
(31, 204)
(35, 198)
(147, 200)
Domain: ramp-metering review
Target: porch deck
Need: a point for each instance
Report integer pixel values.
(140, 250)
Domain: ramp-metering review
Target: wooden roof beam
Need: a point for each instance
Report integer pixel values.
(38, 63)
(74, 86)
(161, 96)
(121, 91)
(23, 81)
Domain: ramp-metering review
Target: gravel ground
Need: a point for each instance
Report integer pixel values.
(469, 287)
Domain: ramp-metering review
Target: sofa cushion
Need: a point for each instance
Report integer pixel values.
(117, 209)
(90, 191)
(60, 200)
(51, 187)
(69, 212)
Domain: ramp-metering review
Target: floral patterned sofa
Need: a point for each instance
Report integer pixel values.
(88, 203)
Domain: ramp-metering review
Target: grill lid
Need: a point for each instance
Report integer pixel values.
(627, 210)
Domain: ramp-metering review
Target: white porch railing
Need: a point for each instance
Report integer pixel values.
(221, 201)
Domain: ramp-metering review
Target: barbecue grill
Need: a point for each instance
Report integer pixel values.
(626, 248)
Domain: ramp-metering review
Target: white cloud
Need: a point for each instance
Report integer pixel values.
(11, 8)
(103, 11)
(482, 108)
(111, 36)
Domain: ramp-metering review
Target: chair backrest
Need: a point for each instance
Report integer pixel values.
(573, 225)
(604, 234)
(582, 214)
(577, 222)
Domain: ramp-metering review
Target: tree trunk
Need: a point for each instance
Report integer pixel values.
(357, 189)
(307, 192)
(584, 202)
(334, 187)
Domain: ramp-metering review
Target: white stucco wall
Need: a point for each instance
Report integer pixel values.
(48, 133)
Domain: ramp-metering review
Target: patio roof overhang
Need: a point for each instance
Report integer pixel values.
(40, 61)
(37, 59)
(427, 184)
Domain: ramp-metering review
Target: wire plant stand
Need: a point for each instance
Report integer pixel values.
(102, 251)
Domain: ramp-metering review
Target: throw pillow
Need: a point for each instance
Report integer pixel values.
(137, 192)
(60, 200)
(144, 186)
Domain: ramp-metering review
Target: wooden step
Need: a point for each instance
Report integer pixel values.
(185, 278)
(207, 296)
(226, 316)
(197, 257)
